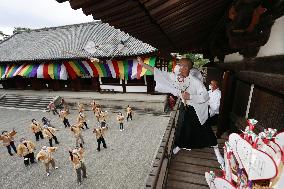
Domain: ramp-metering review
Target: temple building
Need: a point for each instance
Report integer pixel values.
(55, 58)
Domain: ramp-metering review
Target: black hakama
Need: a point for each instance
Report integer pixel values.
(191, 133)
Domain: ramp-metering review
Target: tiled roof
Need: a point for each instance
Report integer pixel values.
(53, 43)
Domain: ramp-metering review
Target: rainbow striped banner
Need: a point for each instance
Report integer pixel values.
(11, 70)
(123, 69)
(2, 71)
(26, 70)
(51, 70)
(45, 70)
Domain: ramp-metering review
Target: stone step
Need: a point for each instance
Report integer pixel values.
(27, 97)
(27, 102)
(26, 107)
(24, 102)
(17, 106)
(11, 99)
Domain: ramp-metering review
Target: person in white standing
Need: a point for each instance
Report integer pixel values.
(214, 102)
(213, 108)
(194, 130)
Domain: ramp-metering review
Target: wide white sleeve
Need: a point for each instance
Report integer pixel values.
(165, 82)
(201, 95)
(196, 73)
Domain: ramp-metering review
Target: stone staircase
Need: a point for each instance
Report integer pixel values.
(24, 102)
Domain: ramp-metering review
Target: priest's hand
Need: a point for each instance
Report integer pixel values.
(185, 95)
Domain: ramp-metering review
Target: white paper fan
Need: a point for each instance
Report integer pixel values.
(92, 48)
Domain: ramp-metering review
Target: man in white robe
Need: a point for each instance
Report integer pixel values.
(194, 131)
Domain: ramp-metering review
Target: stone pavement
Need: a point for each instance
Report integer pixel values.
(124, 164)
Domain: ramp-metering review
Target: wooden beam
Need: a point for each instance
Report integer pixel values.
(122, 17)
(153, 3)
(193, 9)
(120, 9)
(257, 64)
(102, 6)
(131, 22)
(190, 18)
(194, 27)
(135, 16)
(181, 8)
(144, 31)
(273, 82)
(166, 6)
(146, 25)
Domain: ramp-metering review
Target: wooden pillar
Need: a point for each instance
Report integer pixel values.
(226, 102)
(19, 82)
(96, 84)
(55, 85)
(123, 86)
(36, 84)
(150, 84)
(5, 84)
(75, 84)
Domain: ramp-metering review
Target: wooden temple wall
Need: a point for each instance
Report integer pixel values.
(252, 89)
(79, 84)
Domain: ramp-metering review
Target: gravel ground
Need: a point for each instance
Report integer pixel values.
(124, 164)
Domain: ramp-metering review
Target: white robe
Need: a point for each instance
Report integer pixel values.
(168, 82)
(214, 102)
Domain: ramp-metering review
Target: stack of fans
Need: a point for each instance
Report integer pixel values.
(252, 161)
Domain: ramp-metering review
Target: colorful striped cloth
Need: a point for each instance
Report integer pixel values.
(45, 70)
(2, 71)
(11, 70)
(49, 70)
(123, 69)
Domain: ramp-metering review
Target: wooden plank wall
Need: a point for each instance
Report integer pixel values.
(266, 77)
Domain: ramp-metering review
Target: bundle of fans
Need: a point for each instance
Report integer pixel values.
(252, 161)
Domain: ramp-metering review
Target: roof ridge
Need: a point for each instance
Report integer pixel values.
(63, 26)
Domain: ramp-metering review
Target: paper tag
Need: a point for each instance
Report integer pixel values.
(257, 164)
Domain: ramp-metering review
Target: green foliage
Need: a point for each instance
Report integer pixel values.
(197, 59)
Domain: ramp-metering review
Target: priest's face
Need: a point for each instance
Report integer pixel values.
(184, 67)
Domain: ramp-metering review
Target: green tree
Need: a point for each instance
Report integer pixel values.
(197, 59)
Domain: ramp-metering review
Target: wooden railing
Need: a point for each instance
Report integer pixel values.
(158, 174)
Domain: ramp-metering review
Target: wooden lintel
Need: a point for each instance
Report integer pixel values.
(273, 82)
